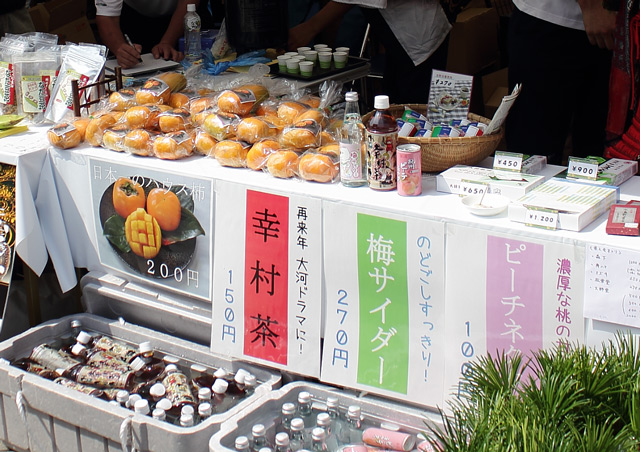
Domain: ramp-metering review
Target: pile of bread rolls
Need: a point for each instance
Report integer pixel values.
(240, 127)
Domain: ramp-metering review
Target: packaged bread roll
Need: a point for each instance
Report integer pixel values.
(205, 143)
(259, 152)
(332, 150)
(158, 89)
(96, 128)
(122, 99)
(139, 142)
(311, 100)
(136, 117)
(221, 125)
(303, 134)
(283, 163)
(318, 167)
(201, 104)
(317, 114)
(174, 120)
(174, 145)
(64, 135)
(153, 121)
(179, 100)
(255, 128)
(242, 100)
(232, 153)
(113, 137)
(289, 110)
(268, 108)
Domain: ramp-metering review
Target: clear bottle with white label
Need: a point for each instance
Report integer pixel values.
(191, 34)
(353, 170)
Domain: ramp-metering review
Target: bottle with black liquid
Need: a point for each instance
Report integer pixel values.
(146, 366)
(178, 388)
(99, 358)
(382, 139)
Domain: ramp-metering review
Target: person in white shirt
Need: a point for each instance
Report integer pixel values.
(559, 50)
(154, 26)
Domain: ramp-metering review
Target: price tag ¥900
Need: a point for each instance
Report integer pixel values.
(582, 168)
(507, 161)
(541, 218)
(469, 187)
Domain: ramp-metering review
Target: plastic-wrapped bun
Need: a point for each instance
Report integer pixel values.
(317, 114)
(283, 164)
(137, 117)
(289, 110)
(221, 125)
(113, 137)
(255, 128)
(201, 104)
(96, 128)
(311, 100)
(154, 91)
(138, 142)
(64, 135)
(332, 150)
(242, 100)
(303, 134)
(205, 143)
(178, 100)
(122, 99)
(318, 167)
(259, 152)
(174, 145)
(174, 120)
(232, 153)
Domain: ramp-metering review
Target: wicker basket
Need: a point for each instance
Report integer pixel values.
(441, 153)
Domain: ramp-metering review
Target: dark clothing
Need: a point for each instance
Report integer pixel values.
(564, 89)
(403, 81)
(143, 30)
(6, 6)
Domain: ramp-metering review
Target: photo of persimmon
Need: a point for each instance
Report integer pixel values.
(164, 206)
(127, 196)
(149, 224)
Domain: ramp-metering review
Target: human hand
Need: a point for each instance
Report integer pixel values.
(599, 23)
(128, 56)
(299, 36)
(166, 51)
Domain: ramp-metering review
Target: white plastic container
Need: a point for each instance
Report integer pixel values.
(39, 415)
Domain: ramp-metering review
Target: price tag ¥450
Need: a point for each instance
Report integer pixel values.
(541, 218)
(507, 161)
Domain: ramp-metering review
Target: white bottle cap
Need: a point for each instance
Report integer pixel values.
(323, 419)
(304, 397)
(220, 386)
(159, 413)
(171, 368)
(133, 398)
(288, 408)
(250, 380)
(282, 439)
(122, 396)
(83, 337)
(258, 430)
(351, 96)
(187, 409)
(297, 424)
(205, 409)
(141, 406)
(76, 324)
(239, 378)
(186, 420)
(145, 347)
(242, 442)
(381, 102)
(137, 364)
(198, 368)
(157, 390)
(77, 349)
(164, 404)
(354, 411)
(333, 402)
(204, 394)
(318, 433)
(220, 373)
(191, 7)
(168, 359)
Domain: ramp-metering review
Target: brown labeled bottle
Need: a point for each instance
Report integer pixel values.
(52, 358)
(117, 348)
(146, 366)
(99, 358)
(35, 368)
(382, 139)
(178, 390)
(100, 377)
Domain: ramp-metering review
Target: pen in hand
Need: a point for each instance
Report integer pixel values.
(126, 36)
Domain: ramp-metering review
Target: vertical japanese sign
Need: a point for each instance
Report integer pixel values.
(384, 329)
(267, 302)
(164, 235)
(508, 294)
(7, 230)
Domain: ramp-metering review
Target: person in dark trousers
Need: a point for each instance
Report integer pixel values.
(14, 17)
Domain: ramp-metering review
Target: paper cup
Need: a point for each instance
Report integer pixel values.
(319, 47)
(311, 55)
(302, 50)
(282, 62)
(325, 59)
(343, 49)
(340, 59)
(306, 68)
(291, 54)
(293, 66)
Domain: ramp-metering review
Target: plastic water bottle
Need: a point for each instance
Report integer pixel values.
(191, 34)
(352, 145)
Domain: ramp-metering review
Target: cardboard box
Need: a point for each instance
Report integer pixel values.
(473, 41)
(494, 87)
(65, 18)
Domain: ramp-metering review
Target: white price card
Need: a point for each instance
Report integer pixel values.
(469, 187)
(507, 161)
(582, 168)
(542, 218)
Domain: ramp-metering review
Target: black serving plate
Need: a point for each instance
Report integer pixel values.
(318, 73)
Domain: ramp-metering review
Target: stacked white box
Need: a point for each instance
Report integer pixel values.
(267, 412)
(61, 419)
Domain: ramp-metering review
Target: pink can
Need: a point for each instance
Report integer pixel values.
(409, 166)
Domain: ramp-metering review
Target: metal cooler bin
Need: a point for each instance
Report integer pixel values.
(375, 411)
(39, 415)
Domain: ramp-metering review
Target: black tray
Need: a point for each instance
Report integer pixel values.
(318, 72)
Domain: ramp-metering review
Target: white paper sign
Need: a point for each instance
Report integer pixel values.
(385, 304)
(582, 168)
(267, 278)
(542, 218)
(507, 161)
(506, 294)
(612, 285)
